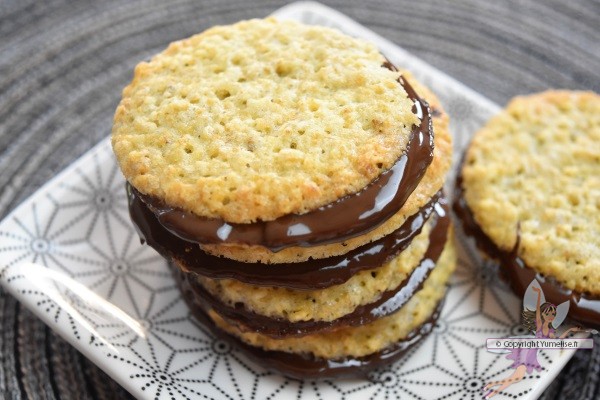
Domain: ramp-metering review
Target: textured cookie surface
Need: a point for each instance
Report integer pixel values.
(260, 119)
(535, 169)
(366, 339)
(430, 184)
(325, 304)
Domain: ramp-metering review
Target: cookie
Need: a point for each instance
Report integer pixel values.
(366, 339)
(530, 182)
(260, 119)
(145, 153)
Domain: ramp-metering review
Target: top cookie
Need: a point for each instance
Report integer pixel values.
(535, 169)
(260, 119)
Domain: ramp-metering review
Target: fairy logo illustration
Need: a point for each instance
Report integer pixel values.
(542, 320)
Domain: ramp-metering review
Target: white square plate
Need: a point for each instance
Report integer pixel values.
(115, 300)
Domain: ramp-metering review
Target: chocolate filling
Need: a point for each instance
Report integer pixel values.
(582, 308)
(348, 217)
(300, 366)
(389, 302)
(308, 275)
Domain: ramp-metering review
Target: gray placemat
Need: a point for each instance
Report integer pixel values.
(63, 65)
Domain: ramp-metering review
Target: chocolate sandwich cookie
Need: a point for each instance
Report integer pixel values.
(302, 366)
(363, 340)
(367, 295)
(304, 175)
(293, 178)
(529, 192)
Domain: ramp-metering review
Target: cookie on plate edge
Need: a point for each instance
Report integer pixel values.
(529, 193)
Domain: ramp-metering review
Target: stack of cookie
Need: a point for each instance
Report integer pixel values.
(293, 177)
(529, 194)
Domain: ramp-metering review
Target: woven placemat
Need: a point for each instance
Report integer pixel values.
(63, 65)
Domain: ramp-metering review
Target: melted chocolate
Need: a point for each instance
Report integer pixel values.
(348, 217)
(300, 366)
(582, 308)
(308, 275)
(389, 302)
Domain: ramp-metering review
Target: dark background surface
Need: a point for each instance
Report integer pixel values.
(63, 65)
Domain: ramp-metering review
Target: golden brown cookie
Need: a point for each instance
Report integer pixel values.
(260, 119)
(531, 179)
